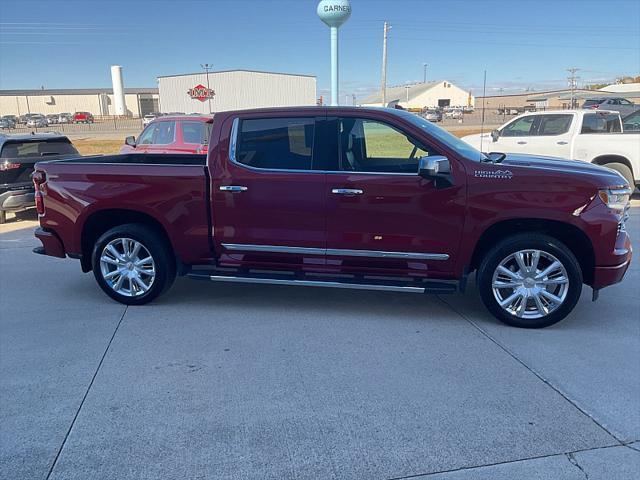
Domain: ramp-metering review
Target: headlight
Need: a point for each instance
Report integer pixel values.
(616, 198)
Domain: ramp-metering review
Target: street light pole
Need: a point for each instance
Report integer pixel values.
(207, 67)
(407, 87)
(424, 79)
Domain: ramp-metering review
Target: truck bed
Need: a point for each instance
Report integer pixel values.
(170, 189)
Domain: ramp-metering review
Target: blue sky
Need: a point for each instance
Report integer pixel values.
(521, 43)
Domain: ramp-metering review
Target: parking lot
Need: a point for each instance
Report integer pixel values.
(256, 382)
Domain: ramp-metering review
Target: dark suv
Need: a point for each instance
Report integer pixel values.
(18, 155)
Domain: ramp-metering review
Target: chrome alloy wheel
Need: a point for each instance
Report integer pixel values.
(530, 284)
(127, 267)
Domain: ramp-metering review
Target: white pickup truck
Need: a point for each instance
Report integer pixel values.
(592, 136)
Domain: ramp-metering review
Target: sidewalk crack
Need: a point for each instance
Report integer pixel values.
(572, 458)
(86, 393)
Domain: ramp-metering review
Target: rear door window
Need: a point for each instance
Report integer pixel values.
(195, 132)
(276, 143)
(554, 124)
(522, 127)
(601, 123)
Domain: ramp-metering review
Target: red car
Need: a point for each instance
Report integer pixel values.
(82, 117)
(172, 134)
(357, 198)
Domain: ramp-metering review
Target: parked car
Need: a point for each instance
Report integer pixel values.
(454, 114)
(172, 134)
(18, 154)
(82, 117)
(12, 118)
(37, 121)
(631, 123)
(149, 117)
(52, 119)
(433, 115)
(65, 118)
(7, 123)
(345, 197)
(617, 104)
(591, 136)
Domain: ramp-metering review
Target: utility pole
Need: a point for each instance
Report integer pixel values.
(407, 87)
(353, 98)
(424, 78)
(384, 66)
(573, 83)
(207, 67)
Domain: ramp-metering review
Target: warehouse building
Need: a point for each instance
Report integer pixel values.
(553, 99)
(234, 89)
(423, 95)
(98, 101)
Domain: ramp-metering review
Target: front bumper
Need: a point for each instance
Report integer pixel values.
(603, 276)
(17, 200)
(51, 244)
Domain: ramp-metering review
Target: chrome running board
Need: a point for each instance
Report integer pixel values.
(401, 285)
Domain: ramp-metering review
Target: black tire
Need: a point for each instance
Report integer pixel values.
(158, 248)
(623, 170)
(531, 241)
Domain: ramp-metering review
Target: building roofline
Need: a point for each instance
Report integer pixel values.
(236, 70)
(74, 91)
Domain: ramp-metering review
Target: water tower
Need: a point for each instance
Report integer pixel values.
(334, 13)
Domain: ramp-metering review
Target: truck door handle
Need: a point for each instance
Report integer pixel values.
(233, 188)
(522, 143)
(561, 142)
(347, 191)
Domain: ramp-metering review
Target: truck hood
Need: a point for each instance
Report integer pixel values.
(602, 176)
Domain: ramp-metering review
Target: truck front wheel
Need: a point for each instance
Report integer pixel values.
(530, 281)
(133, 264)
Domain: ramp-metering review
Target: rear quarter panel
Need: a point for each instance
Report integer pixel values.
(174, 195)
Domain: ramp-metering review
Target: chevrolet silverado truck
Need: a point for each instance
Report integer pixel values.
(593, 136)
(358, 198)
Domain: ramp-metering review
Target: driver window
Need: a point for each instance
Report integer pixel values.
(521, 127)
(371, 146)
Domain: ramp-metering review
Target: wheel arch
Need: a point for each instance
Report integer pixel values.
(100, 221)
(603, 160)
(574, 238)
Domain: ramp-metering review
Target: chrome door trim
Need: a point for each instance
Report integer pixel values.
(386, 254)
(316, 283)
(273, 249)
(335, 252)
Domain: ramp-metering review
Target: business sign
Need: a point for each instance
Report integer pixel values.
(200, 92)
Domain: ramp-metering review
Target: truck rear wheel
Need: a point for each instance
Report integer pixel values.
(133, 264)
(530, 281)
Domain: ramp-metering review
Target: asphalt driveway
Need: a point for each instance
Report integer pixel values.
(261, 382)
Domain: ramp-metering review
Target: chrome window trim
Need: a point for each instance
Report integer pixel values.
(233, 144)
(335, 252)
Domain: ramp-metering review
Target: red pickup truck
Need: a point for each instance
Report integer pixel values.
(359, 198)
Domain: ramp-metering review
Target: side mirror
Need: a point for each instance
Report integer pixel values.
(495, 134)
(434, 166)
(131, 141)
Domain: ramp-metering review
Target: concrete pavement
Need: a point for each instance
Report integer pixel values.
(260, 382)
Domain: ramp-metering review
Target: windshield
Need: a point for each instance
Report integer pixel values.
(451, 141)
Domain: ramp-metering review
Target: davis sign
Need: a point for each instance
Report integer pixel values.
(200, 92)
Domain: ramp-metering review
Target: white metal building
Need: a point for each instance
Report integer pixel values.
(98, 101)
(234, 89)
(421, 95)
